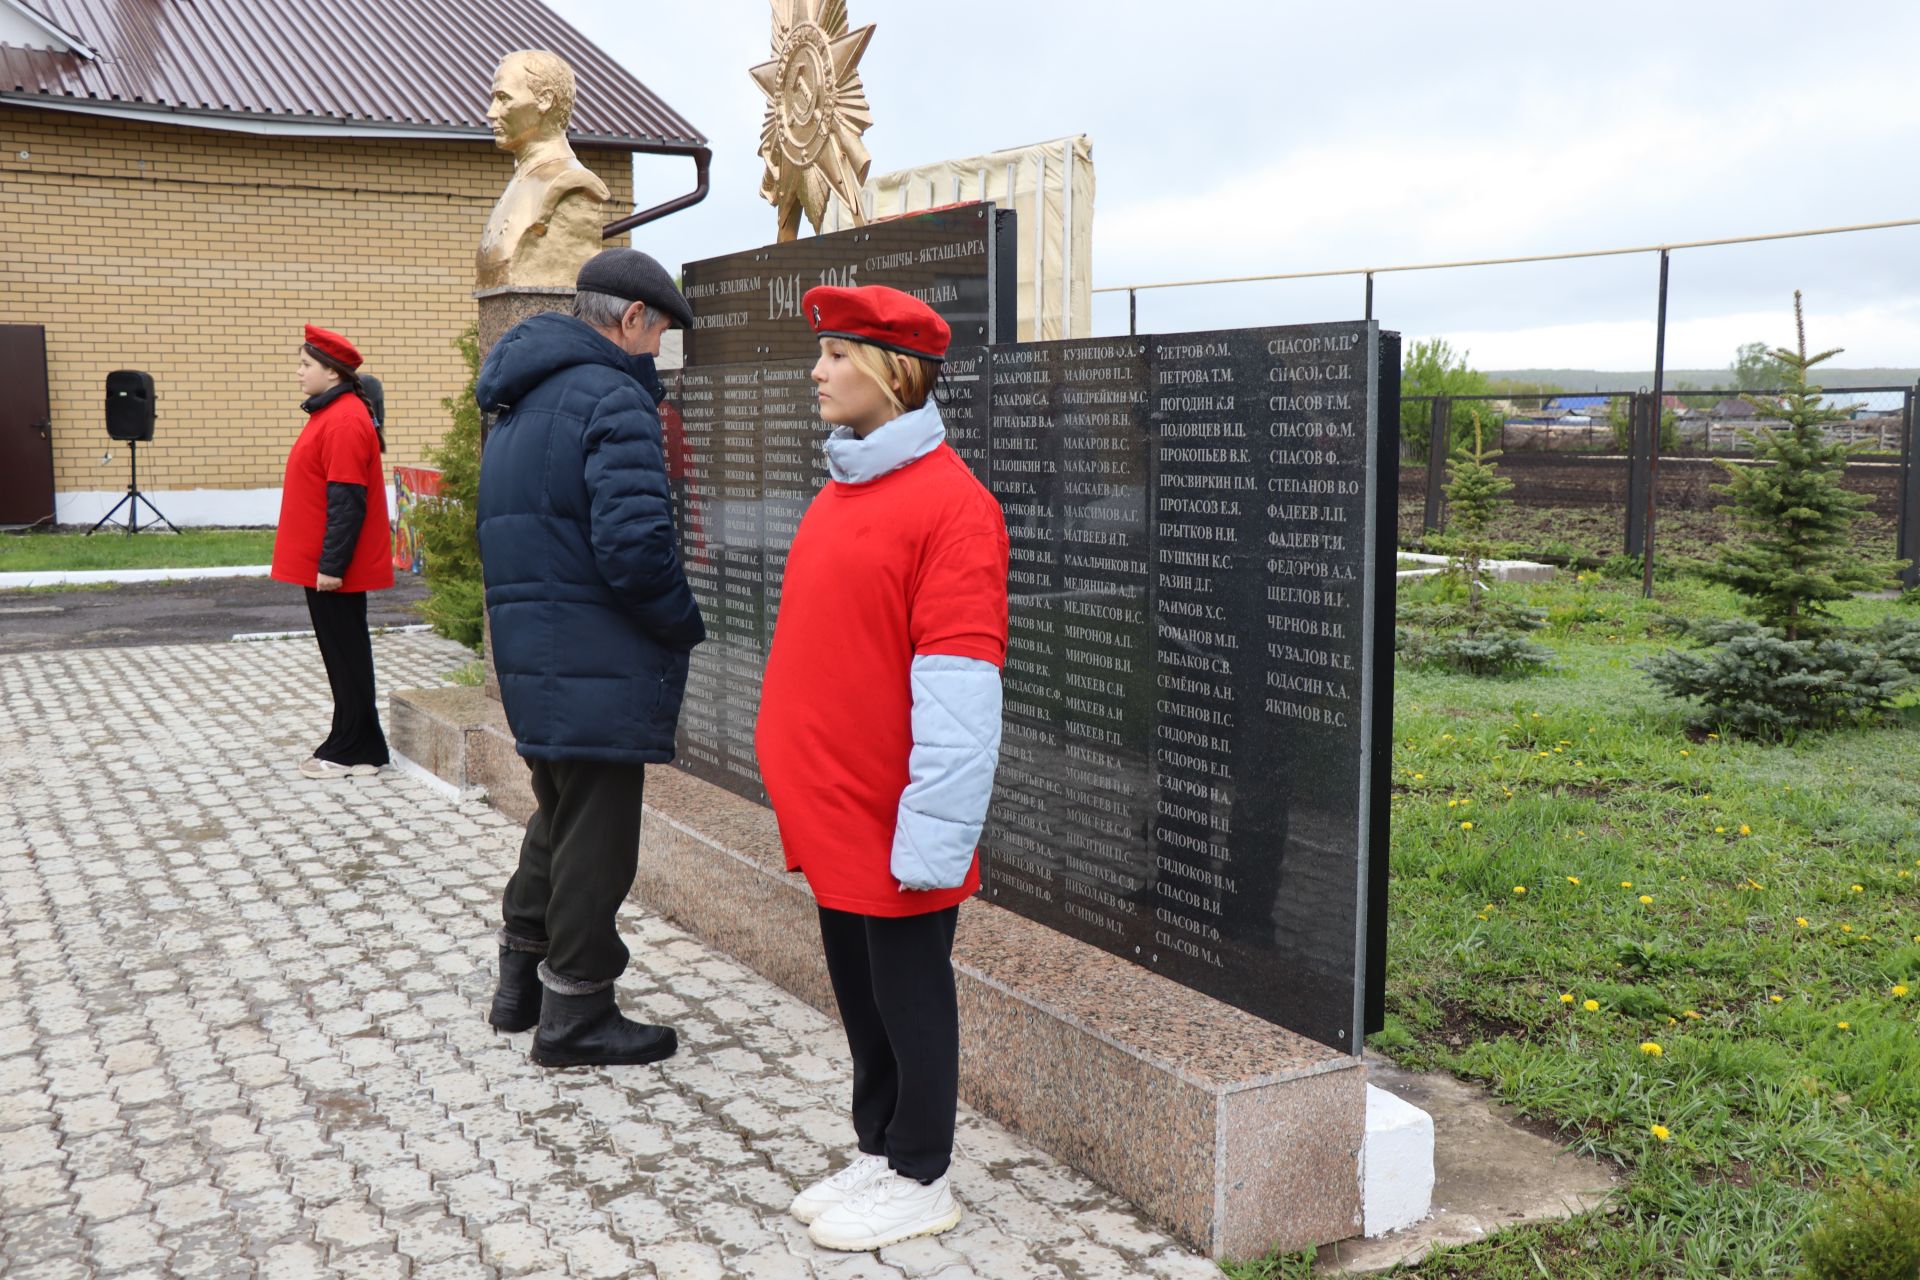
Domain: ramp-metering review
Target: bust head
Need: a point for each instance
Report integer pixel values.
(532, 99)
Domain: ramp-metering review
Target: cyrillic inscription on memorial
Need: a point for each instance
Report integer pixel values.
(1186, 770)
(746, 306)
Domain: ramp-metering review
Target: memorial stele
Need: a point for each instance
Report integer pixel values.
(816, 112)
(547, 221)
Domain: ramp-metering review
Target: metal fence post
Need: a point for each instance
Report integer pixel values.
(1439, 437)
(1637, 477)
(1909, 544)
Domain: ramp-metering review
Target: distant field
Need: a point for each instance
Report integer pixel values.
(1633, 380)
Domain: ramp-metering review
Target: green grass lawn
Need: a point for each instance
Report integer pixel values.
(194, 549)
(1695, 957)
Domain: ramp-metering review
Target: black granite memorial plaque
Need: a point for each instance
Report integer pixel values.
(690, 429)
(746, 306)
(1198, 677)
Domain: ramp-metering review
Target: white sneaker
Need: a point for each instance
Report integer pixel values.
(830, 1191)
(887, 1211)
(318, 768)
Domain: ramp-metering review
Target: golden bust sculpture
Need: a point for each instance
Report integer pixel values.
(547, 222)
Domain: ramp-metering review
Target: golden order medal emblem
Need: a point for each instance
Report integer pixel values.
(816, 112)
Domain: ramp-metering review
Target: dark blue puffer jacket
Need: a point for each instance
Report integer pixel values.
(592, 617)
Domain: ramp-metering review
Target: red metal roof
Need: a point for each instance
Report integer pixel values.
(402, 64)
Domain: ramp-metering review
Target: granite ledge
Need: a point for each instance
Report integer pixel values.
(1207, 1043)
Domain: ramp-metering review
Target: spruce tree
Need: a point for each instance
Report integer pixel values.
(1794, 556)
(1483, 636)
(448, 536)
(1796, 667)
(1475, 494)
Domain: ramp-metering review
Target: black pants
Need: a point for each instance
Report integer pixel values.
(893, 979)
(576, 865)
(340, 624)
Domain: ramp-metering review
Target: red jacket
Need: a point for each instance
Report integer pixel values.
(912, 563)
(337, 444)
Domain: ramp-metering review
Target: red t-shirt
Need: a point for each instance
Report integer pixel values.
(337, 444)
(912, 563)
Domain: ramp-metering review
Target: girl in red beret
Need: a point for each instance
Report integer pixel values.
(333, 539)
(878, 737)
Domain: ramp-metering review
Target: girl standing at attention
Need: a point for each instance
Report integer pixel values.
(878, 737)
(333, 539)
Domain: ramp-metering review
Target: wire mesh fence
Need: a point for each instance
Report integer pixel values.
(1583, 465)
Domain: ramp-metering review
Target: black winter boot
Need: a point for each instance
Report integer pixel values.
(588, 1030)
(516, 1001)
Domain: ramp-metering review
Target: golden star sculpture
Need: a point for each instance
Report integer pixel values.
(816, 112)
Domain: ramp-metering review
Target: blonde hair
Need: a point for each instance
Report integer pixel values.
(905, 380)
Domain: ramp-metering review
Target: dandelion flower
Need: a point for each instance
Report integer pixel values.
(1546, 753)
(1660, 1131)
(1776, 999)
(1519, 888)
(1801, 921)
(1646, 900)
(1719, 830)
(1745, 830)
(1846, 928)
(1691, 1014)
(1713, 735)
(1452, 804)
(1626, 884)
(1844, 1026)
(1686, 753)
(1651, 1049)
(1900, 990)
(1573, 879)
(1858, 888)
(1419, 777)
(1591, 1006)
(1566, 997)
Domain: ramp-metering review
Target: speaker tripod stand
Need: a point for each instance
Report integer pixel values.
(133, 499)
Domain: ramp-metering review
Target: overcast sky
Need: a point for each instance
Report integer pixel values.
(1241, 137)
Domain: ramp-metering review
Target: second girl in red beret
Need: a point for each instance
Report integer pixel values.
(334, 540)
(878, 738)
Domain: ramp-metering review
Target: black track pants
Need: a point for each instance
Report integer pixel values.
(893, 978)
(340, 625)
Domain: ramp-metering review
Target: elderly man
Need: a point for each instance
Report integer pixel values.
(592, 623)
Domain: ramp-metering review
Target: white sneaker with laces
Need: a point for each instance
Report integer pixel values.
(887, 1211)
(830, 1191)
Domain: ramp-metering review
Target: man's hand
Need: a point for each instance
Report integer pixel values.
(326, 582)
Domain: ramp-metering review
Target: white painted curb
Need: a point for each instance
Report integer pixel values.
(94, 577)
(408, 628)
(1396, 1164)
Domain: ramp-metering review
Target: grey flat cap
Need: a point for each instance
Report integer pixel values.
(631, 274)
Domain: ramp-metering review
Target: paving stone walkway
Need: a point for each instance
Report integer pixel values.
(241, 1029)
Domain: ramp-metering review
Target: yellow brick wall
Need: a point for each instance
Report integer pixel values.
(198, 255)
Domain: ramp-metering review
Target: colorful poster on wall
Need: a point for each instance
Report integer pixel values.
(411, 486)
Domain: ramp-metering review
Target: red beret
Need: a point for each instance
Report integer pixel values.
(333, 346)
(880, 317)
